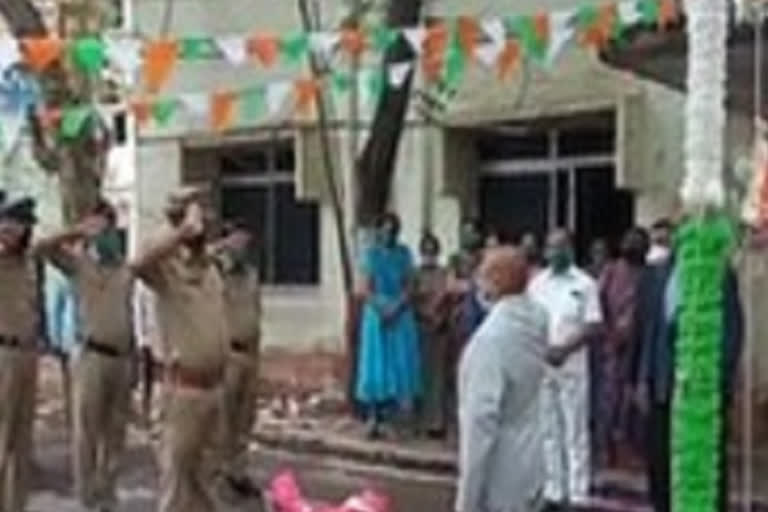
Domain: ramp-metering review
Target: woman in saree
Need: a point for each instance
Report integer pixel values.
(433, 308)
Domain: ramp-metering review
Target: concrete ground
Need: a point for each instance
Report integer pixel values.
(329, 456)
(323, 477)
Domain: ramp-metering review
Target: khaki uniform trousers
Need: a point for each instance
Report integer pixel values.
(238, 411)
(187, 420)
(18, 389)
(101, 402)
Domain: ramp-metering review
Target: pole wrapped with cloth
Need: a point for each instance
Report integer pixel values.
(705, 241)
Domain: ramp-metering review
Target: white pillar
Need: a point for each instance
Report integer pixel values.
(705, 119)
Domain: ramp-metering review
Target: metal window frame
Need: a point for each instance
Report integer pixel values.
(545, 165)
(269, 180)
(552, 165)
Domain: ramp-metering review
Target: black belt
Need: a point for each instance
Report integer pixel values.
(101, 348)
(10, 341)
(239, 346)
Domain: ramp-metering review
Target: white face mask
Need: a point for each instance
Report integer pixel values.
(658, 254)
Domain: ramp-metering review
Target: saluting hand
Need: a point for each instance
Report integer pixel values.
(192, 226)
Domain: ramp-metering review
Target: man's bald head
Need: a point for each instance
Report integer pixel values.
(504, 271)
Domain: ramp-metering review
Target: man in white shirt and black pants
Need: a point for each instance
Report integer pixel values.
(571, 298)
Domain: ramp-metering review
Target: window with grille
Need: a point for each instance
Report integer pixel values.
(257, 186)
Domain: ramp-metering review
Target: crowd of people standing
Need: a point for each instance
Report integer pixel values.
(562, 370)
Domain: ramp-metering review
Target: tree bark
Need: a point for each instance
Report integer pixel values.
(376, 164)
(79, 163)
(23, 18)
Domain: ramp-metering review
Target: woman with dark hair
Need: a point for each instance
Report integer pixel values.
(618, 284)
(389, 368)
(431, 299)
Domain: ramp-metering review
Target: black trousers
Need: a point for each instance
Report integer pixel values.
(659, 458)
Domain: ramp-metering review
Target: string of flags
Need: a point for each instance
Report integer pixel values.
(222, 109)
(442, 52)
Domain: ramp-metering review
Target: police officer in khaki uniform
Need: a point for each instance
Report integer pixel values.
(102, 367)
(242, 295)
(19, 331)
(191, 314)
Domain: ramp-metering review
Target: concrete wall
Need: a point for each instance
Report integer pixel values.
(320, 308)
(433, 183)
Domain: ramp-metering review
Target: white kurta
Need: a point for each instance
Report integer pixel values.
(500, 382)
(572, 301)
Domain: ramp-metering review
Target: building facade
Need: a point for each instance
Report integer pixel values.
(553, 146)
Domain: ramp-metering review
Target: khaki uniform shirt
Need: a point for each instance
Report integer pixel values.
(190, 310)
(104, 298)
(19, 299)
(242, 295)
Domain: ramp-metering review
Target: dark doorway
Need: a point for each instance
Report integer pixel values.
(517, 204)
(602, 210)
(553, 172)
(513, 205)
(257, 186)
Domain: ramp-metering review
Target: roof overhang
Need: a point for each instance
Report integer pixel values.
(662, 57)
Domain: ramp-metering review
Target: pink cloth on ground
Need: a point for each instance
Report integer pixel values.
(286, 496)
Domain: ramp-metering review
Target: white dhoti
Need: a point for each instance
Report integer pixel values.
(566, 436)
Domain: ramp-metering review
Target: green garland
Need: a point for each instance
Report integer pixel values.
(705, 245)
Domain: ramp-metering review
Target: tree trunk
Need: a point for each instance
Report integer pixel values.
(377, 162)
(79, 163)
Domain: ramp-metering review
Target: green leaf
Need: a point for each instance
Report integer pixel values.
(88, 54)
(649, 11)
(197, 48)
(163, 110)
(73, 120)
(252, 103)
(383, 37)
(703, 248)
(295, 47)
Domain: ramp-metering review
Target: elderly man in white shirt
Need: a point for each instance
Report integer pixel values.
(501, 374)
(571, 299)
